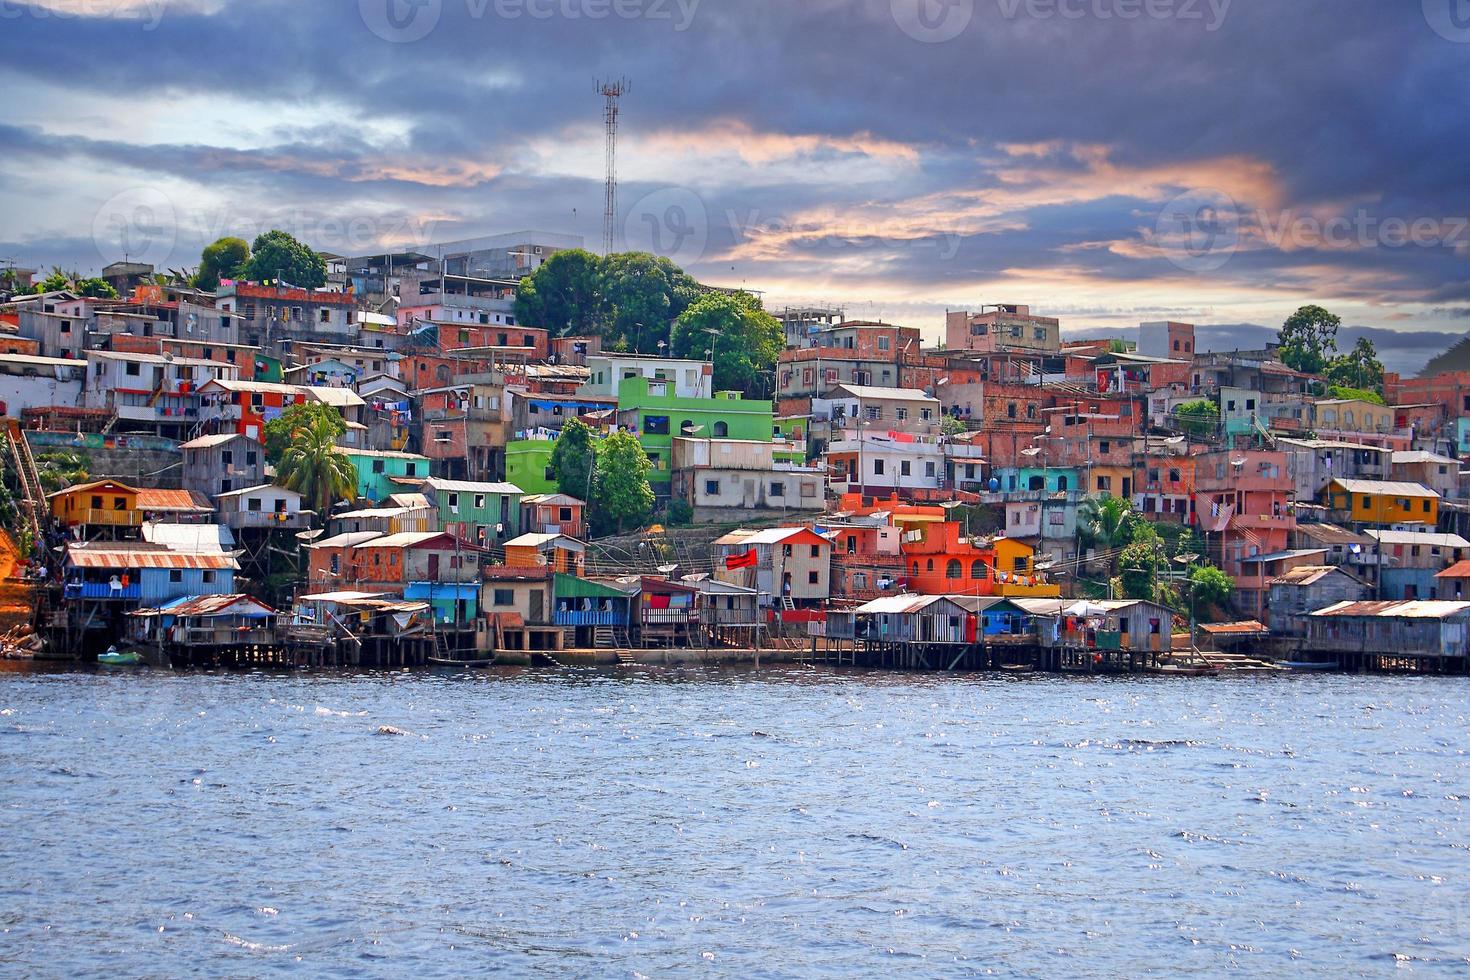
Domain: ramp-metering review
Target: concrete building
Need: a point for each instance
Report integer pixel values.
(1003, 326)
(739, 479)
(607, 372)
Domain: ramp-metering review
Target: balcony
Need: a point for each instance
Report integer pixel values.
(269, 519)
(670, 617)
(105, 518)
(102, 590)
(590, 618)
(224, 637)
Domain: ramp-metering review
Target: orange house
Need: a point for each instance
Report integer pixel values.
(946, 561)
(555, 551)
(104, 503)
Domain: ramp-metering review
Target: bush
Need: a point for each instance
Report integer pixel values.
(681, 512)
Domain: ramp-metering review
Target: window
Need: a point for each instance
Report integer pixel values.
(453, 501)
(901, 414)
(412, 469)
(1426, 506)
(903, 467)
(721, 430)
(1104, 483)
(778, 489)
(929, 467)
(712, 487)
(1104, 446)
(131, 369)
(954, 570)
(882, 343)
(335, 565)
(813, 578)
(325, 315)
(253, 504)
(175, 576)
(816, 551)
(96, 503)
(1039, 333)
(655, 425)
(503, 597)
(208, 577)
(877, 467)
(873, 413)
(786, 551)
(377, 466)
(977, 569)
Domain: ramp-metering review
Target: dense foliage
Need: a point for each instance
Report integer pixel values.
(314, 468)
(281, 430)
(223, 258)
(742, 338)
(624, 498)
(276, 255)
(573, 460)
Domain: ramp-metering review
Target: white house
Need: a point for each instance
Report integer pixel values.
(691, 379)
(265, 506)
(28, 381)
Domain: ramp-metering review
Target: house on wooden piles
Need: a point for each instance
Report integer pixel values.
(213, 629)
(1430, 635)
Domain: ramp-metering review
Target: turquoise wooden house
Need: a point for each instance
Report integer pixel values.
(382, 473)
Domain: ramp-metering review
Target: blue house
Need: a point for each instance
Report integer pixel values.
(134, 575)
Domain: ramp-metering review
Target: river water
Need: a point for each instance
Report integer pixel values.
(785, 821)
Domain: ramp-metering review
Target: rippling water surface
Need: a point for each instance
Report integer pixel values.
(732, 822)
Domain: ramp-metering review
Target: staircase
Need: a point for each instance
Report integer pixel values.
(33, 495)
(625, 659)
(610, 636)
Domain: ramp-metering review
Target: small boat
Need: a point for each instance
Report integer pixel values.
(1309, 664)
(1018, 668)
(120, 658)
(451, 662)
(1185, 670)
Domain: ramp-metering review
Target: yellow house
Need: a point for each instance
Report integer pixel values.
(1015, 571)
(105, 503)
(1381, 502)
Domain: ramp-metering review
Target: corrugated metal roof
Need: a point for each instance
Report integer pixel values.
(1460, 569)
(211, 605)
(347, 540)
(189, 537)
(1246, 627)
(135, 558)
(207, 442)
(534, 540)
(1397, 609)
(1432, 538)
(888, 394)
(174, 500)
(1305, 574)
(465, 486)
(1385, 488)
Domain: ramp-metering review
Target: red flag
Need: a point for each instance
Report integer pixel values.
(746, 560)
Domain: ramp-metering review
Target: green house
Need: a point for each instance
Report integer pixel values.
(657, 415)
(480, 513)
(528, 465)
(379, 473)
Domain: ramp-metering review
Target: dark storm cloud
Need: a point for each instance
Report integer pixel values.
(1344, 105)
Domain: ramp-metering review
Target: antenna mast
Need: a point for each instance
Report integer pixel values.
(611, 91)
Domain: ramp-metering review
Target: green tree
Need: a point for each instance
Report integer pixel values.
(1104, 523)
(1359, 368)
(573, 460)
(277, 255)
(951, 426)
(744, 339)
(74, 281)
(221, 259)
(564, 295)
(624, 498)
(1211, 587)
(1200, 418)
(312, 466)
(281, 431)
(1308, 339)
(644, 294)
(1140, 563)
(1361, 394)
(60, 469)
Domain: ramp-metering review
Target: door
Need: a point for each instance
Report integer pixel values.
(538, 611)
(433, 567)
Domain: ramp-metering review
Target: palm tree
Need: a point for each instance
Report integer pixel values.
(1104, 523)
(312, 466)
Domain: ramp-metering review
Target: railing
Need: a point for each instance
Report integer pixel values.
(224, 637)
(260, 518)
(106, 518)
(670, 617)
(102, 590)
(579, 618)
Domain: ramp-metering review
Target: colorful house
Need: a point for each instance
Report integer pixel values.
(945, 560)
(382, 473)
(787, 566)
(478, 512)
(528, 463)
(555, 513)
(558, 552)
(1382, 502)
(653, 411)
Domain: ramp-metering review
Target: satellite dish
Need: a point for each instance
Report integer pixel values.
(542, 560)
(1238, 461)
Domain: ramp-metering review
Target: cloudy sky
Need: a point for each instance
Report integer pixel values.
(1106, 161)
